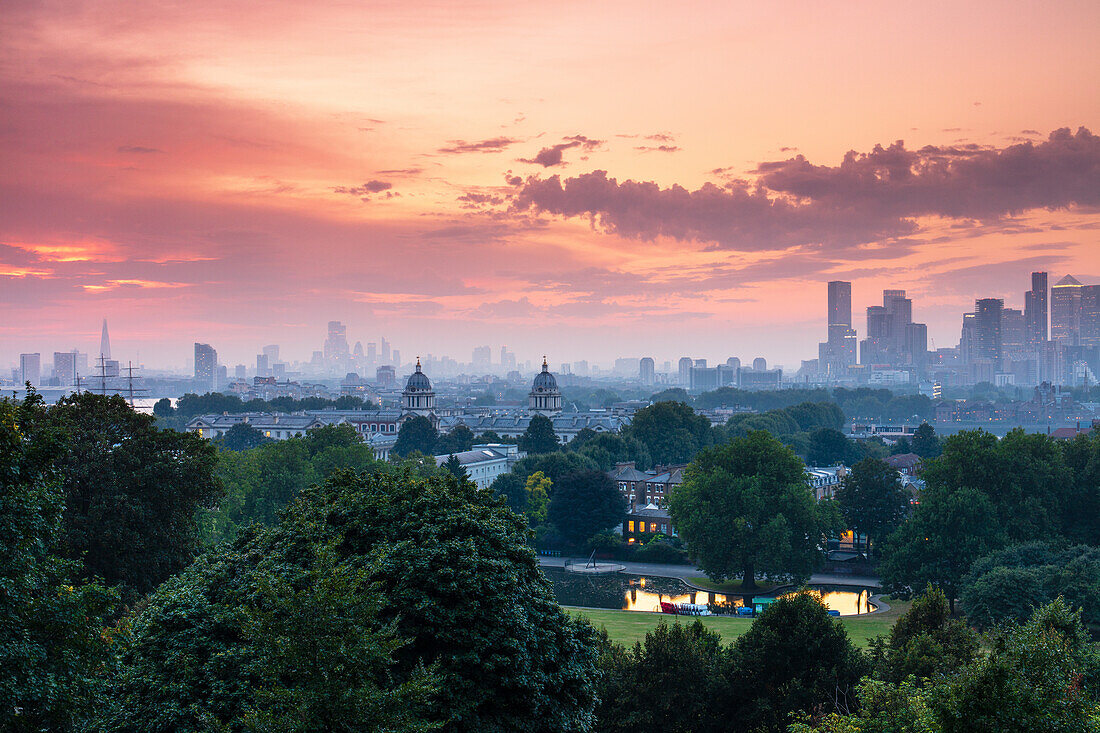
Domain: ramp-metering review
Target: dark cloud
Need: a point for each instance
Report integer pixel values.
(553, 155)
(869, 197)
(137, 149)
(661, 137)
(658, 148)
(16, 256)
(368, 188)
(492, 145)
(401, 172)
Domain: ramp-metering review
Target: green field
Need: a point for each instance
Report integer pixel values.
(627, 627)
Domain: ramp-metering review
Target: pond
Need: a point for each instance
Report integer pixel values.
(645, 593)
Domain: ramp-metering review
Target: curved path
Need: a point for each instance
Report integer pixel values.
(683, 572)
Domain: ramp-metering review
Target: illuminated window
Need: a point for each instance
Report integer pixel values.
(641, 526)
(652, 526)
(632, 526)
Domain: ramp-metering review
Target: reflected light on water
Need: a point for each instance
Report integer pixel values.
(848, 602)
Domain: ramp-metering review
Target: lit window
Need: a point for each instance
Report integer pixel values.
(632, 526)
(641, 526)
(652, 526)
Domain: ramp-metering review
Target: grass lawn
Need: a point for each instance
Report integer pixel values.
(730, 586)
(627, 627)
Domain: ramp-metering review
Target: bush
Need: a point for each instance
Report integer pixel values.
(658, 551)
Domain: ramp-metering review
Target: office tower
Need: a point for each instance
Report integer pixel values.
(507, 359)
(916, 344)
(684, 368)
(1013, 330)
(1065, 311)
(271, 351)
(702, 379)
(759, 364)
(263, 367)
(336, 345)
(1090, 316)
(372, 352)
(482, 357)
(396, 358)
(357, 350)
(64, 367)
(30, 369)
(240, 372)
(840, 303)
(580, 368)
(647, 373)
(733, 362)
(105, 342)
(988, 343)
(385, 377)
(206, 363)
(1037, 310)
(967, 338)
(385, 350)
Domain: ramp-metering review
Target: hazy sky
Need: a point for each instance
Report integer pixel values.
(585, 179)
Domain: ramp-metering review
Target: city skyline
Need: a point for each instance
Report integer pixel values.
(512, 174)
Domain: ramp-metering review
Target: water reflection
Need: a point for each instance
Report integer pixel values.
(645, 593)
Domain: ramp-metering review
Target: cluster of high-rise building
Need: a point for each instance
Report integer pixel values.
(69, 369)
(1055, 338)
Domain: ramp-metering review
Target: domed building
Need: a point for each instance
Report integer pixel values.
(544, 397)
(418, 397)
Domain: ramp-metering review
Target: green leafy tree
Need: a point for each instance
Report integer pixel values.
(539, 437)
(455, 468)
(131, 491)
(883, 707)
(745, 507)
(458, 440)
(872, 500)
(794, 659)
(1042, 676)
(537, 490)
(669, 682)
(1081, 509)
(946, 534)
(510, 486)
(416, 434)
(828, 447)
(552, 465)
(925, 443)
(901, 447)
(53, 645)
(925, 642)
(163, 407)
(584, 503)
(670, 431)
(242, 436)
(449, 586)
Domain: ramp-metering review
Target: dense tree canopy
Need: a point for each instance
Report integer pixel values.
(416, 434)
(53, 645)
(872, 500)
(670, 431)
(448, 584)
(539, 437)
(584, 503)
(460, 439)
(745, 507)
(242, 436)
(925, 642)
(925, 443)
(131, 490)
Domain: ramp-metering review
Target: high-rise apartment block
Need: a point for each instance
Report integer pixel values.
(206, 364)
(838, 352)
(1037, 310)
(30, 369)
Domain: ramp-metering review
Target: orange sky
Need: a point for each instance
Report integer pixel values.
(240, 173)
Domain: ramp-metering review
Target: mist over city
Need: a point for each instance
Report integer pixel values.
(581, 366)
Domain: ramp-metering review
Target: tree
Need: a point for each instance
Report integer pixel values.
(794, 658)
(539, 437)
(745, 507)
(163, 407)
(872, 500)
(584, 503)
(947, 533)
(1081, 509)
(131, 491)
(925, 642)
(455, 590)
(901, 447)
(1042, 676)
(416, 434)
(552, 465)
(537, 490)
(668, 682)
(510, 486)
(460, 439)
(925, 443)
(455, 468)
(242, 436)
(991, 592)
(828, 447)
(53, 644)
(670, 431)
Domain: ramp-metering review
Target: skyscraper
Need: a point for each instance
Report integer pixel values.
(647, 372)
(683, 368)
(1037, 310)
(336, 345)
(64, 367)
(1090, 316)
(988, 344)
(840, 303)
(1065, 311)
(206, 364)
(30, 369)
(271, 351)
(105, 342)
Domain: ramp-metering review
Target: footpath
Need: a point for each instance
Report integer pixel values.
(683, 572)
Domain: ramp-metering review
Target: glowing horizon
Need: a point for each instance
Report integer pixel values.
(585, 181)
